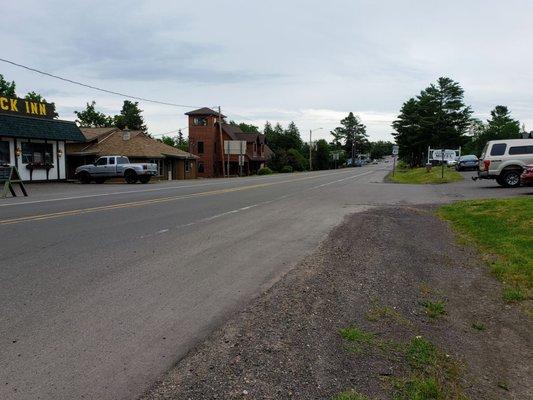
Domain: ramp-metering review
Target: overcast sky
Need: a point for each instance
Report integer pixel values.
(308, 61)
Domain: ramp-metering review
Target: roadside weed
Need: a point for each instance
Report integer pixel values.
(434, 309)
(479, 326)
(350, 395)
(428, 373)
(356, 335)
(383, 312)
(421, 353)
(503, 385)
(513, 294)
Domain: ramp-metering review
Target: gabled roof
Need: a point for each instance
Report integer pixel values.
(93, 133)
(39, 128)
(204, 111)
(138, 145)
(235, 133)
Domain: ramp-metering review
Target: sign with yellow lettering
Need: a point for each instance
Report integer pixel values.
(26, 108)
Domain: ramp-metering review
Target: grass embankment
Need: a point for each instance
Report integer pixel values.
(422, 176)
(503, 232)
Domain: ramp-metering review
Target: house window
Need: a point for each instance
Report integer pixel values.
(187, 166)
(200, 147)
(37, 153)
(4, 152)
(199, 121)
(201, 168)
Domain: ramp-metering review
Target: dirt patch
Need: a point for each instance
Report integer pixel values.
(395, 274)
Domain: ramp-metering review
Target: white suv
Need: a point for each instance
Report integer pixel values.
(504, 160)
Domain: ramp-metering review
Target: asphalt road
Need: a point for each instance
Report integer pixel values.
(104, 287)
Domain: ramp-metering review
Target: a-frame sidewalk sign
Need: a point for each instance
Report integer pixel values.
(9, 177)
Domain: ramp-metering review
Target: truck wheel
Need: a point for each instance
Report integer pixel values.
(511, 178)
(99, 180)
(145, 178)
(130, 176)
(84, 177)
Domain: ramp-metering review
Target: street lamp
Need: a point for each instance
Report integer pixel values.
(311, 146)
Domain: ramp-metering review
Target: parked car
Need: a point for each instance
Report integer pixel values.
(467, 162)
(451, 163)
(113, 167)
(527, 176)
(504, 160)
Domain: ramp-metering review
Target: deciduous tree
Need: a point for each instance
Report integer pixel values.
(91, 118)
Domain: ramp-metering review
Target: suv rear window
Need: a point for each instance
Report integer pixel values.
(521, 150)
(498, 149)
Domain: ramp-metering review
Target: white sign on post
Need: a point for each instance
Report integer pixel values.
(241, 160)
(449, 155)
(234, 146)
(395, 149)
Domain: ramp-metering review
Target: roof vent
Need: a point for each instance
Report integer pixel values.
(126, 135)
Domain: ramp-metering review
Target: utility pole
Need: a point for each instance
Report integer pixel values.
(221, 141)
(310, 147)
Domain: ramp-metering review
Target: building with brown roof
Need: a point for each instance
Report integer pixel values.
(206, 140)
(172, 163)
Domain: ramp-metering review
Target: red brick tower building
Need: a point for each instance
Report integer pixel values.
(205, 142)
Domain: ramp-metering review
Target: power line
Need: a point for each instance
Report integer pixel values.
(96, 88)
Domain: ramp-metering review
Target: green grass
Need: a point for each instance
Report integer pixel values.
(434, 309)
(421, 176)
(503, 232)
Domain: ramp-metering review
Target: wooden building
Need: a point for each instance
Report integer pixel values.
(172, 163)
(206, 141)
(32, 140)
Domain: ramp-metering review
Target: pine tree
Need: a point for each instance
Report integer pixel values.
(437, 117)
(131, 117)
(353, 132)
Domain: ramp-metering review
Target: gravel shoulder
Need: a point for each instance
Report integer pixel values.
(376, 271)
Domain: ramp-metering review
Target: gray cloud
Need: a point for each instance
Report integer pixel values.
(310, 61)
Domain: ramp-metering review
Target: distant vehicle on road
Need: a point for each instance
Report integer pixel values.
(504, 160)
(527, 176)
(467, 162)
(115, 166)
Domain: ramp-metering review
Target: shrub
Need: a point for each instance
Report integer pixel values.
(264, 171)
(286, 169)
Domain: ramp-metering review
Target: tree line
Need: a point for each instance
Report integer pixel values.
(439, 118)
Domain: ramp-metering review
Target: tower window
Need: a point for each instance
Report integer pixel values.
(199, 121)
(200, 147)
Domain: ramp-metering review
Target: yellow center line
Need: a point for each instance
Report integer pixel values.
(139, 203)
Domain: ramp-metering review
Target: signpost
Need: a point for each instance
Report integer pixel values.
(235, 147)
(9, 176)
(395, 150)
(443, 155)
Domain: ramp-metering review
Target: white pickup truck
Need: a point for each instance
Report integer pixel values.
(115, 166)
